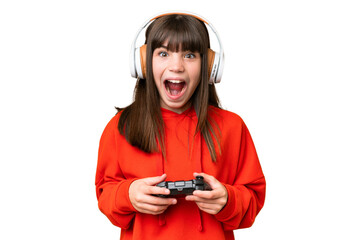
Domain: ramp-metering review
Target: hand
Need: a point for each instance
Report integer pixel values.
(212, 201)
(140, 194)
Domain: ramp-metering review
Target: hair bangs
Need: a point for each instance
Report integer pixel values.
(179, 33)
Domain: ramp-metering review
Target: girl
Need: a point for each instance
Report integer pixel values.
(175, 130)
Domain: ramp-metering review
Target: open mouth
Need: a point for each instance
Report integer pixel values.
(175, 88)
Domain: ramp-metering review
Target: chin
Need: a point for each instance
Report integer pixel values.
(175, 107)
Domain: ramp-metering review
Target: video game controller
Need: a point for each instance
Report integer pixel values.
(183, 188)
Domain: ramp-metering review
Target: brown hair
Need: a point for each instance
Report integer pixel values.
(141, 122)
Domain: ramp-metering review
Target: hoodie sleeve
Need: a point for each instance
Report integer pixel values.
(112, 189)
(246, 195)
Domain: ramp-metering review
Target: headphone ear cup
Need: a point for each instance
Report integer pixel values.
(213, 66)
(137, 63)
(211, 56)
(140, 62)
(143, 60)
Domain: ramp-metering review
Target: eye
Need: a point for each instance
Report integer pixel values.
(163, 54)
(190, 55)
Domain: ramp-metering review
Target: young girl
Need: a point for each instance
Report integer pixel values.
(175, 130)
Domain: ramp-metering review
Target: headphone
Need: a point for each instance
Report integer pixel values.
(138, 54)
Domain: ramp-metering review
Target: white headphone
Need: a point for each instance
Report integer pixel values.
(138, 54)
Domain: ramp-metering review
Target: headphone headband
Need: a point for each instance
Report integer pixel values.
(135, 54)
(180, 13)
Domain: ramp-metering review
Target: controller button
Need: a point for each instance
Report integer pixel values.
(180, 184)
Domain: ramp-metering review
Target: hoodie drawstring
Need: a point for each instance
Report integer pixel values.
(162, 217)
(196, 156)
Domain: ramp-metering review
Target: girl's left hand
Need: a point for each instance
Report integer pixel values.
(212, 201)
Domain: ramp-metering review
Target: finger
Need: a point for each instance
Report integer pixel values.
(209, 195)
(211, 209)
(162, 201)
(212, 181)
(154, 190)
(220, 202)
(154, 200)
(194, 198)
(208, 206)
(151, 181)
(151, 209)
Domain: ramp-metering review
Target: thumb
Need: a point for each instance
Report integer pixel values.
(151, 181)
(212, 181)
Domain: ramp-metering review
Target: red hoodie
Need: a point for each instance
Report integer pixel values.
(237, 168)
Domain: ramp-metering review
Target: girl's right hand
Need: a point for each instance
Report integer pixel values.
(141, 195)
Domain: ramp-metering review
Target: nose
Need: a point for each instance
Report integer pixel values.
(176, 63)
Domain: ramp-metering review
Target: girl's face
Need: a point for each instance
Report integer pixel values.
(176, 75)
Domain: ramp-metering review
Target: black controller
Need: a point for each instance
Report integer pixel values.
(182, 188)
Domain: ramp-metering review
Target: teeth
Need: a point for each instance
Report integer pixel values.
(174, 81)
